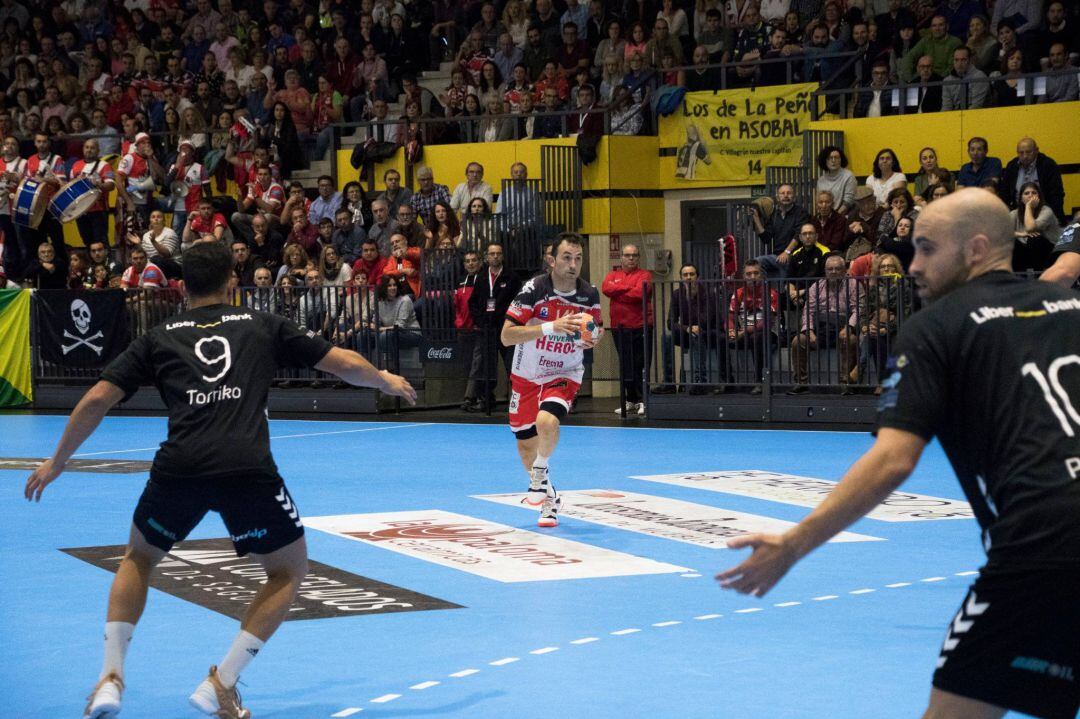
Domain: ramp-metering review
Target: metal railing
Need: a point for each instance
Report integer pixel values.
(905, 97)
(795, 334)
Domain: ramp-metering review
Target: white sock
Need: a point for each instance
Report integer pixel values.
(243, 650)
(541, 460)
(117, 639)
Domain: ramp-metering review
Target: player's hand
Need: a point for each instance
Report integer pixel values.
(398, 387)
(42, 477)
(770, 561)
(568, 324)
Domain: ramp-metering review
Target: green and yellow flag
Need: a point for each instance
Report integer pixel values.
(15, 386)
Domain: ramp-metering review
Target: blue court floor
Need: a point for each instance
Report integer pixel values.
(437, 596)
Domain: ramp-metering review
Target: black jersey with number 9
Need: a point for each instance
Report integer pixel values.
(213, 367)
(993, 370)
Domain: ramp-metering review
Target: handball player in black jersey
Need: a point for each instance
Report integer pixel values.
(212, 365)
(992, 369)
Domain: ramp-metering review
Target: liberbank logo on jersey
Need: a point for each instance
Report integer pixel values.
(208, 573)
(491, 550)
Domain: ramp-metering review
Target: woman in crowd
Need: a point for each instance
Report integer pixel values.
(900, 204)
(219, 143)
(886, 176)
(295, 262)
(444, 225)
(517, 87)
(611, 46)
(1007, 83)
(493, 128)
(354, 201)
(295, 98)
(610, 78)
(453, 98)
(836, 178)
(515, 19)
(491, 80)
(983, 45)
(1035, 228)
(899, 242)
(284, 141)
(930, 173)
(936, 192)
(882, 308)
(626, 115)
(325, 111)
(638, 78)
(477, 227)
(332, 270)
(193, 129)
(395, 325)
(905, 38)
(637, 42)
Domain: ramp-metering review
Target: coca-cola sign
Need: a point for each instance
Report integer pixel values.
(439, 352)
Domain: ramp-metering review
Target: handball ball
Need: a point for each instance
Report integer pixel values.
(588, 332)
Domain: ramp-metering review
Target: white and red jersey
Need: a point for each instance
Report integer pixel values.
(151, 276)
(100, 169)
(135, 170)
(201, 226)
(16, 166)
(195, 176)
(38, 166)
(274, 194)
(551, 356)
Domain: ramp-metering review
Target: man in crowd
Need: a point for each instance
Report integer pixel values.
(1030, 165)
(206, 221)
(94, 223)
(831, 225)
(407, 226)
(474, 186)
(394, 195)
(384, 225)
(928, 96)
(12, 171)
(827, 321)
(492, 294)
(423, 201)
(304, 233)
(628, 287)
(1061, 87)
(862, 224)
(142, 273)
(779, 231)
(748, 328)
(326, 204)
(348, 236)
(969, 88)
(244, 264)
(265, 241)
(264, 196)
(404, 263)
(807, 262)
(938, 45)
(468, 336)
(548, 366)
(981, 171)
(371, 263)
(136, 178)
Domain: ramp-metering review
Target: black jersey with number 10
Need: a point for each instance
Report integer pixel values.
(213, 367)
(993, 370)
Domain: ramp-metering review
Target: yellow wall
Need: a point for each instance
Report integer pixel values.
(1054, 126)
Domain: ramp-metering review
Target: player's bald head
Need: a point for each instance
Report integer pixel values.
(967, 214)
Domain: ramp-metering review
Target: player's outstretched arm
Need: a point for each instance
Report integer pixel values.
(515, 334)
(356, 370)
(84, 419)
(869, 481)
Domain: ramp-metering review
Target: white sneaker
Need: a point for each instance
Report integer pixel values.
(214, 699)
(549, 512)
(641, 409)
(538, 487)
(104, 701)
(630, 408)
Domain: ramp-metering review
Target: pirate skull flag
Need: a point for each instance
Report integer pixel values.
(81, 329)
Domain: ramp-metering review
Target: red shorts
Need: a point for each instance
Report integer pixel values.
(527, 396)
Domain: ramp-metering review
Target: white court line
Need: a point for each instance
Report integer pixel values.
(861, 591)
(826, 597)
(749, 610)
(465, 673)
(787, 604)
(966, 574)
(544, 650)
(666, 624)
(690, 575)
(503, 662)
(623, 632)
(934, 579)
(585, 640)
(347, 712)
(284, 436)
(703, 617)
(385, 698)
(896, 585)
(423, 685)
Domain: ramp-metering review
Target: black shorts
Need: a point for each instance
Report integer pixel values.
(1015, 643)
(260, 516)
